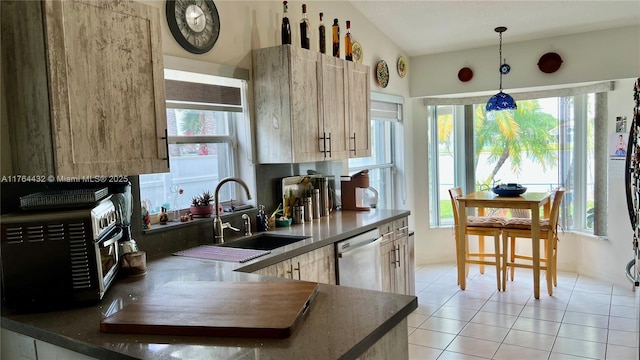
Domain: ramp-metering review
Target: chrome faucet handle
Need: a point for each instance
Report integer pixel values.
(228, 226)
(247, 224)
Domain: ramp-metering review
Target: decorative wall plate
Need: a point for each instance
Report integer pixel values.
(465, 74)
(549, 62)
(356, 49)
(402, 66)
(382, 73)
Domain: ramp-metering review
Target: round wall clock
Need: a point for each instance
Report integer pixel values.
(194, 24)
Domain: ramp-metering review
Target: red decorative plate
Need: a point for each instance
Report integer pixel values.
(465, 74)
(549, 62)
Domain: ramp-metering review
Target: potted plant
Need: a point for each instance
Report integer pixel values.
(201, 205)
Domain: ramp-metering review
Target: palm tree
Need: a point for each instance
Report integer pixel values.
(512, 135)
(191, 122)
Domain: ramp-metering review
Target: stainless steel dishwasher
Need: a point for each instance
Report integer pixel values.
(359, 263)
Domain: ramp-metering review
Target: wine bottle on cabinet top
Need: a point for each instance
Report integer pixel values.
(322, 37)
(305, 29)
(286, 26)
(336, 38)
(347, 43)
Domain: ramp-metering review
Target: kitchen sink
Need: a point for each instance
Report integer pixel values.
(264, 241)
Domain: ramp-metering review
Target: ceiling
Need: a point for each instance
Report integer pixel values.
(430, 26)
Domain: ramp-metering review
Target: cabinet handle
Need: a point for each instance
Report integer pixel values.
(166, 146)
(298, 269)
(403, 230)
(354, 143)
(396, 251)
(324, 144)
(290, 271)
(329, 138)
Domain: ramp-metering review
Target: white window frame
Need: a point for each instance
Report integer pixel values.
(465, 178)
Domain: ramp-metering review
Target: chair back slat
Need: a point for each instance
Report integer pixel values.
(555, 208)
(455, 193)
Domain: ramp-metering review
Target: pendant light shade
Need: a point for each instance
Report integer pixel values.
(501, 101)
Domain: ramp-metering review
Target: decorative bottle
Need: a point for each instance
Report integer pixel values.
(347, 43)
(305, 29)
(336, 38)
(286, 26)
(322, 37)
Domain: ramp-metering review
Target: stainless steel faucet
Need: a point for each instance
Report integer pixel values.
(247, 225)
(218, 226)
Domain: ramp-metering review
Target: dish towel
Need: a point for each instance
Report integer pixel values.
(222, 253)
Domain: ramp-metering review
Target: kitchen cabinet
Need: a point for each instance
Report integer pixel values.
(359, 110)
(309, 106)
(335, 126)
(85, 88)
(18, 346)
(317, 266)
(395, 252)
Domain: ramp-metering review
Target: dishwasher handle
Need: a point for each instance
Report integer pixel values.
(360, 249)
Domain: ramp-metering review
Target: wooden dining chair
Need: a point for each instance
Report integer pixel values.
(479, 226)
(521, 228)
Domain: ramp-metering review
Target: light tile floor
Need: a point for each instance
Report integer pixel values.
(584, 319)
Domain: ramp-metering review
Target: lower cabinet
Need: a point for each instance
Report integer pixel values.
(394, 253)
(317, 266)
(18, 346)
(393, 345)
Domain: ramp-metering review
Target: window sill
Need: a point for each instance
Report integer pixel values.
(171, 225)
(157, 227)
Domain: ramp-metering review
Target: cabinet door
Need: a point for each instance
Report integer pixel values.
(402, 256)
(322, 263)
(286, 88)
(334, 124)
(329, 256)
(358, 110)
(106, 85)
(317, 265)
(306, 123)
(387, 259)
(271, 270)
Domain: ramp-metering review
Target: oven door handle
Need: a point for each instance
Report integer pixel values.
(113, 239)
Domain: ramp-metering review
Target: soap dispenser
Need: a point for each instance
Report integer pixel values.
(262, 223)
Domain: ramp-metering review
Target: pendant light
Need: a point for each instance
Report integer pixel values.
(501, 101)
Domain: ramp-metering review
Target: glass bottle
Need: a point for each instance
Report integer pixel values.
(305, 29)
(347, 43)
(286, 27)
(336, 38)
(322, 36)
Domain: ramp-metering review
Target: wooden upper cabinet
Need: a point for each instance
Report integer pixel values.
(87, 91)
(359, 110)
(307, 104)
(334, 108)
(285, 85)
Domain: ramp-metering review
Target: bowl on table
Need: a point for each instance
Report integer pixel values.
(509, 190)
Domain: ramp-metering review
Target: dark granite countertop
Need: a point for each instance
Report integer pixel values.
(341, 323)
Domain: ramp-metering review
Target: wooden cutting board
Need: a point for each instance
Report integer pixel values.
(213, 308)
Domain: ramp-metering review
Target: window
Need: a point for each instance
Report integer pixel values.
(203, 116)
(386, 114)
(546, 143)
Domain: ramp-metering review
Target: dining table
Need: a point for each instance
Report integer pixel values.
(482, 200)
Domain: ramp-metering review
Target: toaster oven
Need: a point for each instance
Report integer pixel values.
(57, 259)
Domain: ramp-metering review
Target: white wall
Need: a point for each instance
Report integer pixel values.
(594, 56)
